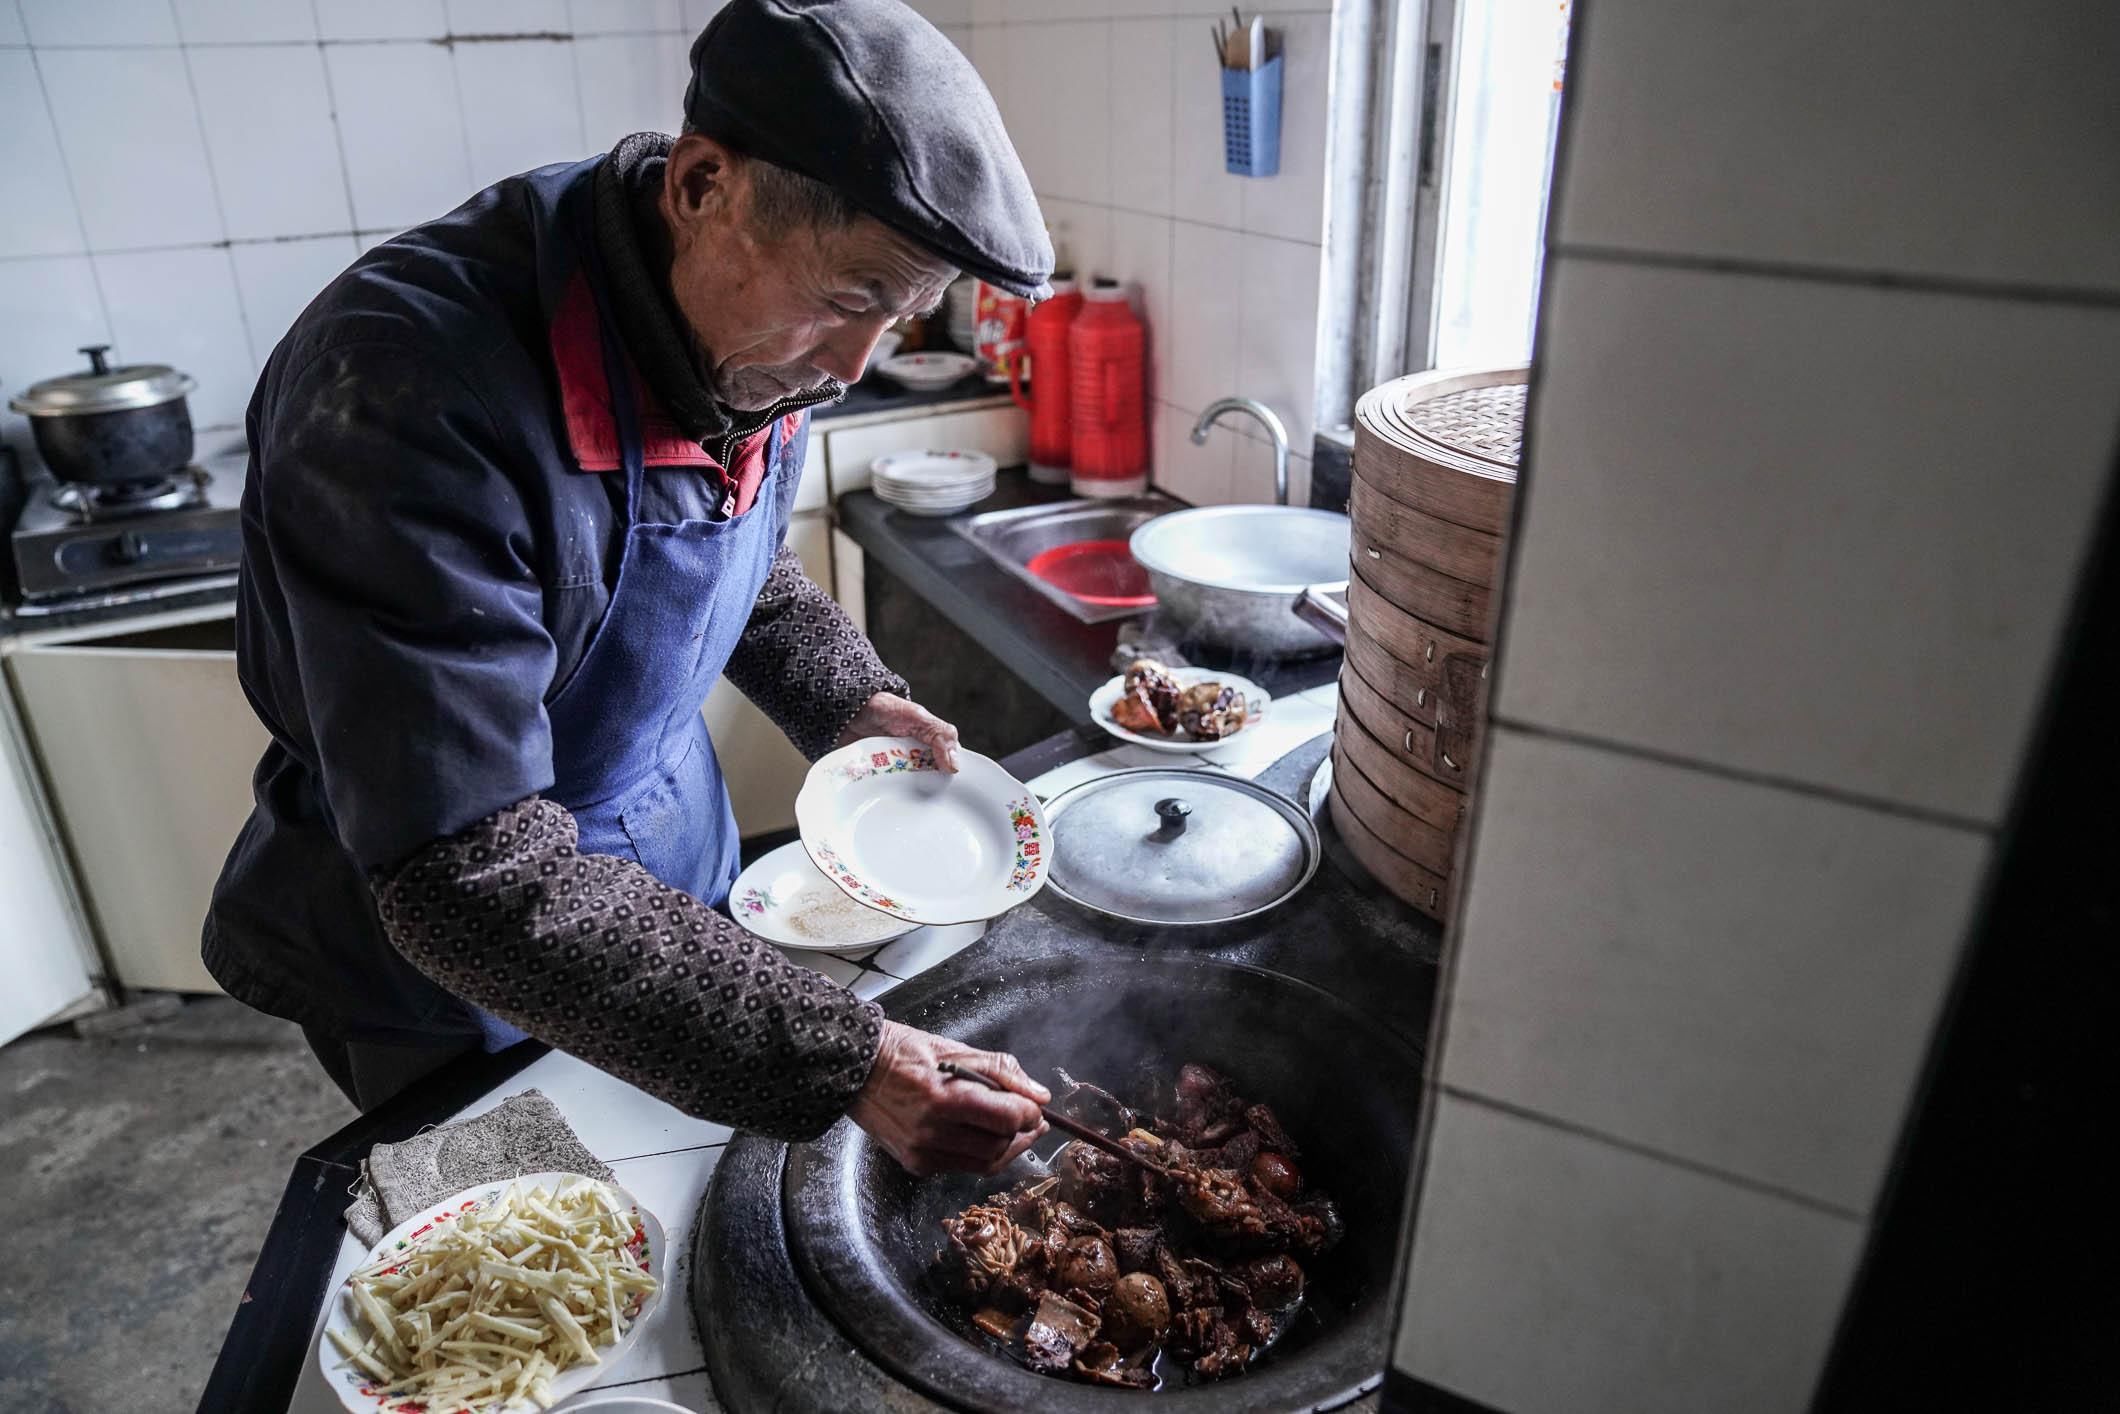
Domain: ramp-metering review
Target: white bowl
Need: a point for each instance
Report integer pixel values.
(351, 1386)
(924, 372)
(784, 899)
(1256, 700)
(890, 827)
(939, 508)
(931, 470)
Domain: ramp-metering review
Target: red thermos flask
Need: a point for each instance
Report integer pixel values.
(1107, 351)
(1052, 432)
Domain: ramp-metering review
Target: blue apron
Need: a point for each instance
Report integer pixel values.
(632, 758)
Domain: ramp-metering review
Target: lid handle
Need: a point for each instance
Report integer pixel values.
(96, 362)
(1172, 812)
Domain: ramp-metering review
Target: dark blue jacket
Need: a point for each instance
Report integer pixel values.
(425, 560)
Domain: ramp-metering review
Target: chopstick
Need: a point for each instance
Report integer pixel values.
(1059, 1121)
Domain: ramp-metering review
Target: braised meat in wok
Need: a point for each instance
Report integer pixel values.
(1152, 702)
(1106, 1272)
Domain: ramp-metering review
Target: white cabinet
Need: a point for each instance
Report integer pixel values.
(148, 750)
(998, 429)
(46, 952)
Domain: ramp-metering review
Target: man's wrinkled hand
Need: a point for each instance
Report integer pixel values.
(888, 714)
(933, 1124)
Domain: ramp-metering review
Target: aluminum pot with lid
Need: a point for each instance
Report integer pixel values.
(111, 425)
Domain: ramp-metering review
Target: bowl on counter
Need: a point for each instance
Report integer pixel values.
(927, 372)
(1233, 575)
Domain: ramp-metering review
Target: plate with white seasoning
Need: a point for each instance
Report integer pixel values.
(503, 1299)
(786, 899)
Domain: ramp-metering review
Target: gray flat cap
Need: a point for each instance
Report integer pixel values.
(870, 99)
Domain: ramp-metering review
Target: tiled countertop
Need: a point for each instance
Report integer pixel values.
(665, 1157)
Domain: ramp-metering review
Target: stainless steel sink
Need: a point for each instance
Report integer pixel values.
(1012, 539)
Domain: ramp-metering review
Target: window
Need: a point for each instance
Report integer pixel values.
(1444, 116)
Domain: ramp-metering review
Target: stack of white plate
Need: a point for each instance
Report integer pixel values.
(932, 483)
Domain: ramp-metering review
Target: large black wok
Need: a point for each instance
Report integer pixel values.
(861, 1231)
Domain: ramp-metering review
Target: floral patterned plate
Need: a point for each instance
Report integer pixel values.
(360, 1396)
(891, 828)
(785, 899)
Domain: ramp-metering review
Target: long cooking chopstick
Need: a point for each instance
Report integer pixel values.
(1058, 1120)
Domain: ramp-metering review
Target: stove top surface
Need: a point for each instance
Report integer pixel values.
(72, 540)
(771, 1343)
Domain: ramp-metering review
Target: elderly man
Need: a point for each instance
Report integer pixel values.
(518, 489)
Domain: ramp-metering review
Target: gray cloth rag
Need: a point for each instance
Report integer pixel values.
(523, 1134)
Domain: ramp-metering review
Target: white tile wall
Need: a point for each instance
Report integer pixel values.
(944, 12)
(49, 307)
(1277, 356)
(1292, 204)
(1141, 116)
(1892, 560)
(381, 19)
(696, 15)
(130, 132)
(629, 84)
(1115, 106)
(1556, 1274)
(1060, 77)
(99, 22)
(1201, 475)
(507, 16)
(1746, 977)
(278, 279)
(623, 16)
(180, 307)
(244, 21)
(401, 130)
(521, 107)
(1207, 303)
(1082, 235)
(266, 111)
(160, 125)
(1902, 154)
(1251, 473)
(1793, 550)
(1200, 189)
(40, 218)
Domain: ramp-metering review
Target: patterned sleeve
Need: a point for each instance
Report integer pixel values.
(802, 661)
(594, 955)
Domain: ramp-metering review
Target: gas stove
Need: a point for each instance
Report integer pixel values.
(75, 540)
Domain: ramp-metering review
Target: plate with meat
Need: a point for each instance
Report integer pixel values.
(1105, 1273)
(1177, 709)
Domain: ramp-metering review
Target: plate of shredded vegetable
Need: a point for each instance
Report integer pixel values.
(506, 1298)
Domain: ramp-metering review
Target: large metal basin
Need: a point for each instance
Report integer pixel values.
(1233, 575)
(1012, 539)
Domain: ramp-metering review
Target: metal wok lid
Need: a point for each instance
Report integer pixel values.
(102, 388)
(1179, 847)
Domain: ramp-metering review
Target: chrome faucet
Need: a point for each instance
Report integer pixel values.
(1267, 419)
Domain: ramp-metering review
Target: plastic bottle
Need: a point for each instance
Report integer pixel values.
(1052, 432)
(1108, 397)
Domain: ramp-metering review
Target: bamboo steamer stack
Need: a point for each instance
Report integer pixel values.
(1435, 458)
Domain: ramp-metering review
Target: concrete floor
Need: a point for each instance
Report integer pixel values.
(137, 1177)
